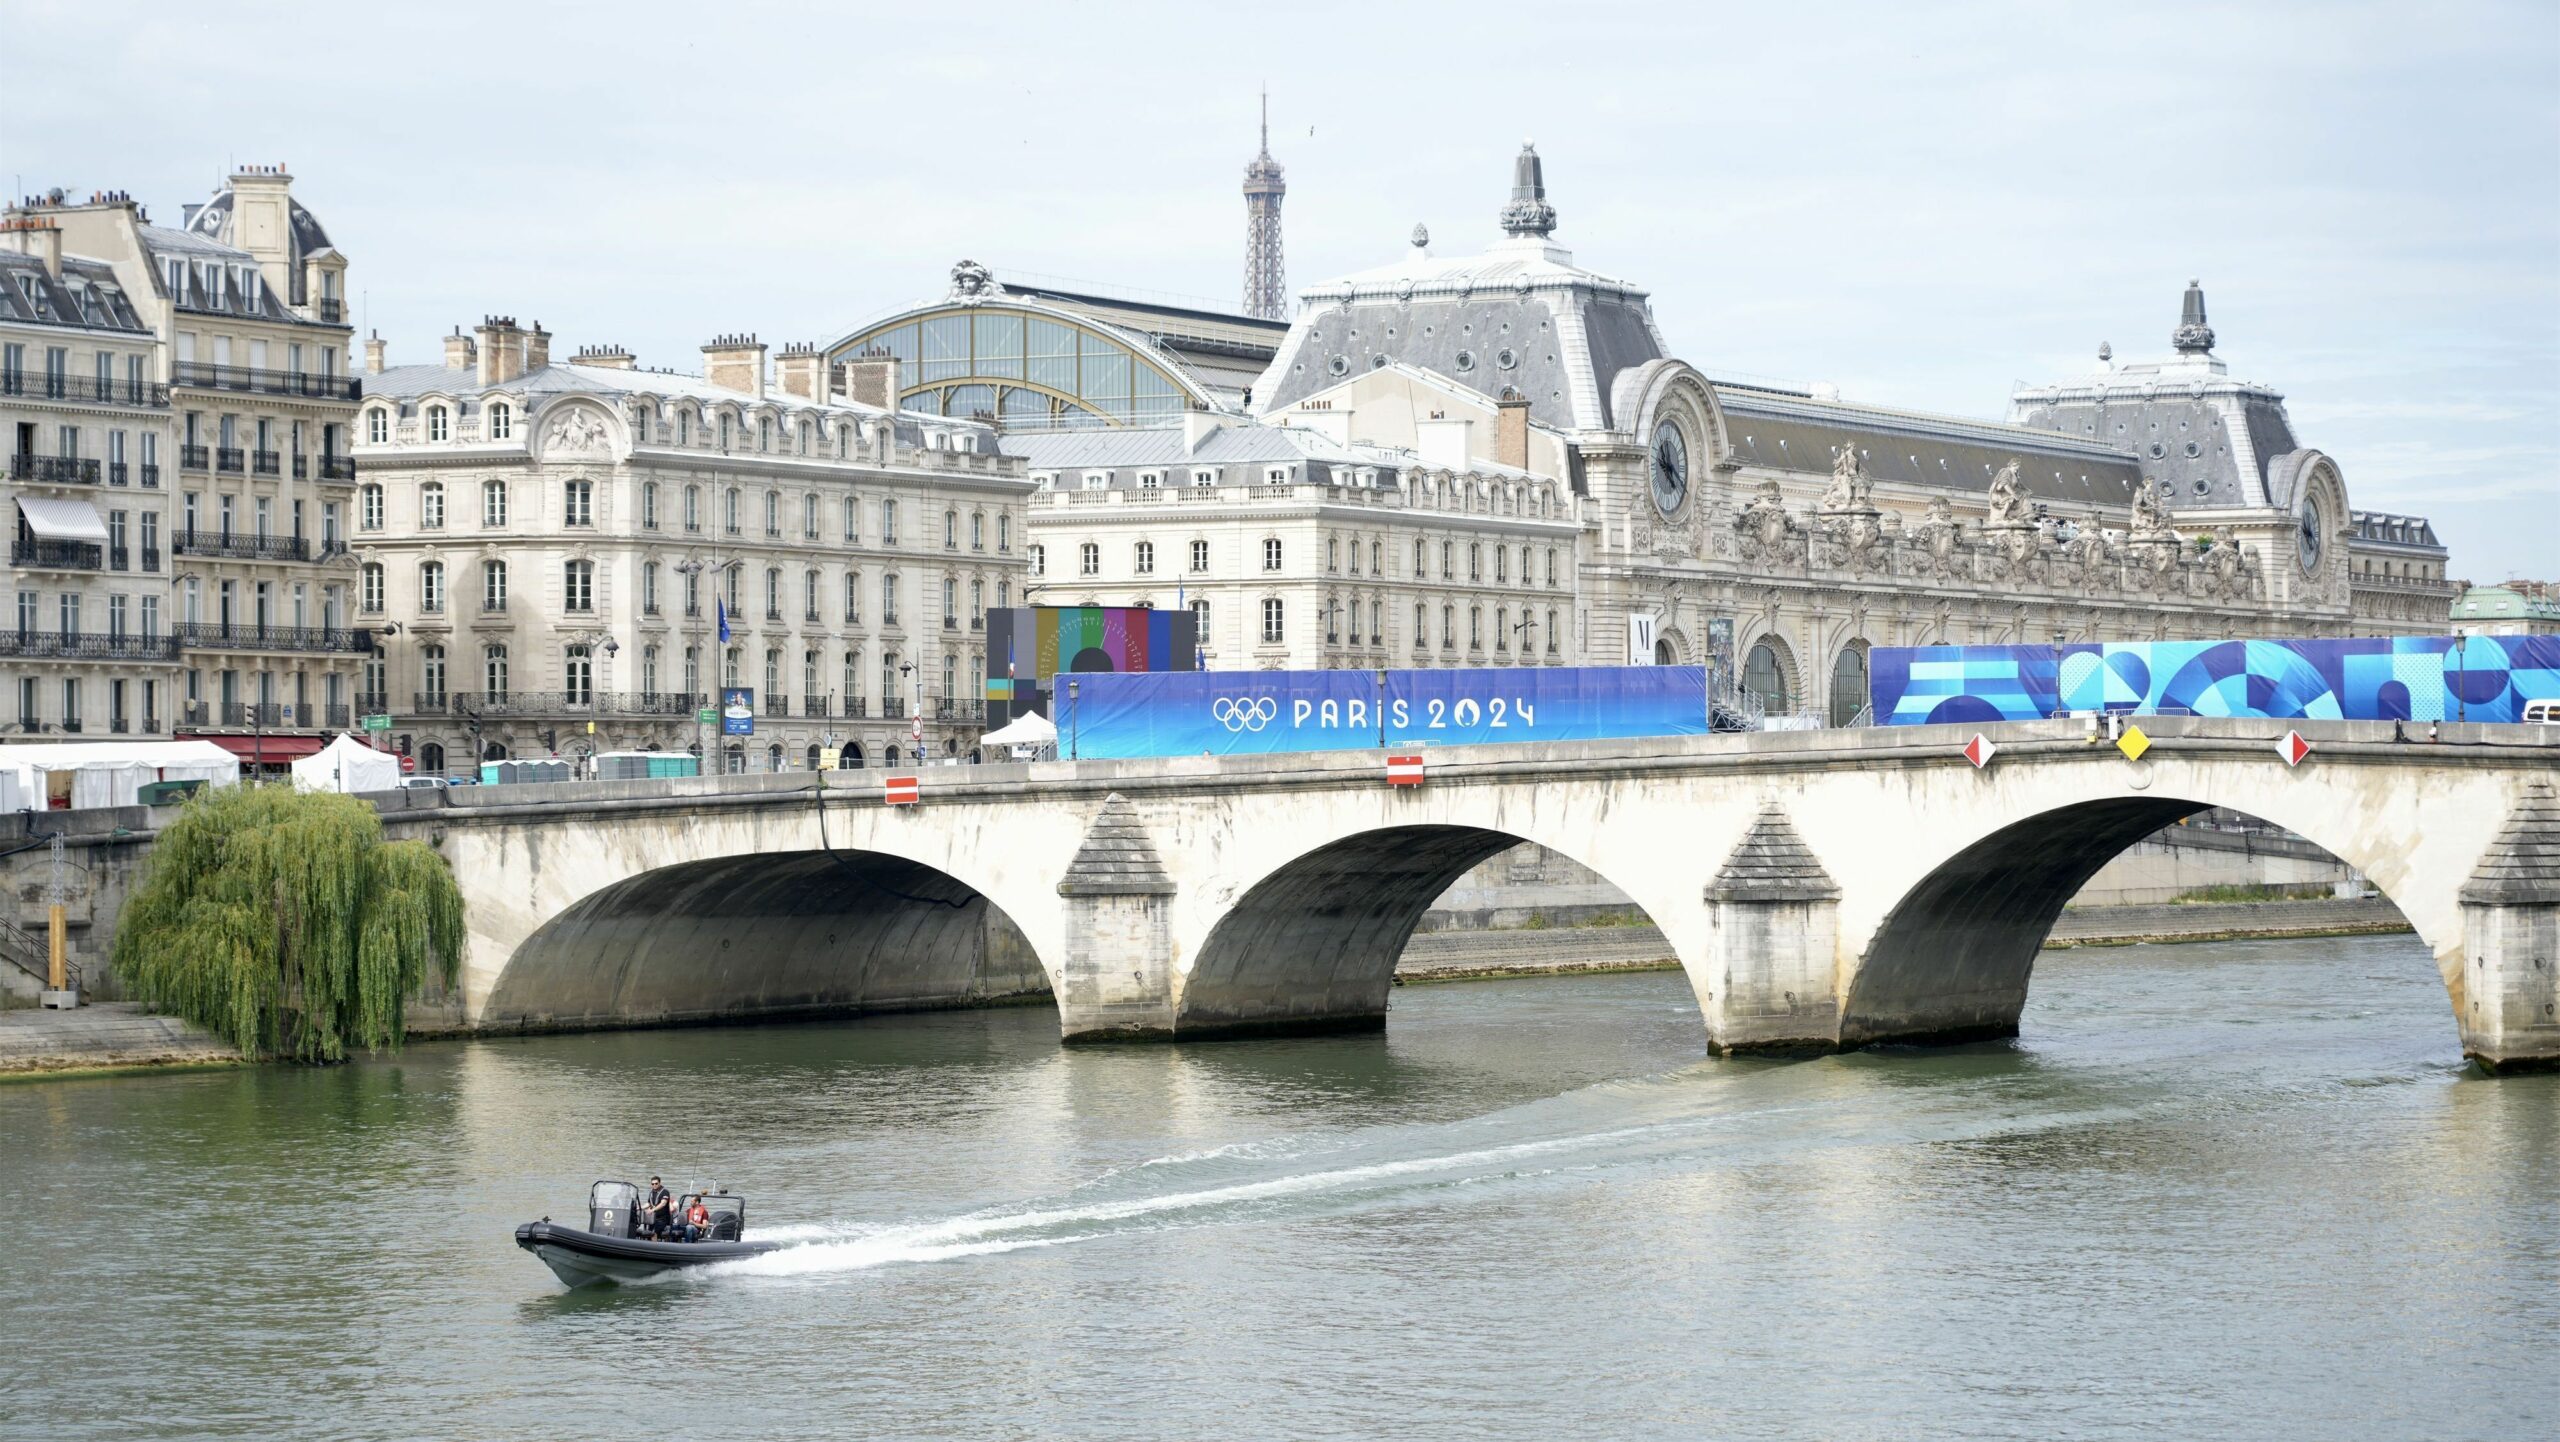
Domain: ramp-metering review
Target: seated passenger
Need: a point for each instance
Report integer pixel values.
(657, 1212)
(697, 1222)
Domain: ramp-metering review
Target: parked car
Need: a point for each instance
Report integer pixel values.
(2543, 712)
(424, 783)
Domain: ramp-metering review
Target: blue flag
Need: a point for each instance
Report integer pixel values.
(720, 607)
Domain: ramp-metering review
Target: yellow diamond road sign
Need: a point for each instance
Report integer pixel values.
(2133, 743)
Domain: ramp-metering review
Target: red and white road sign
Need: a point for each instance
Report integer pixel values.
(898, 790)
(1980, 750)
(1404, 771)
(2293, 748)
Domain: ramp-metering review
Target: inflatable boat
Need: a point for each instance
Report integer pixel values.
(615, 1246)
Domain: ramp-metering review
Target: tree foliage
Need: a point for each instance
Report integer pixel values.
(282, 921)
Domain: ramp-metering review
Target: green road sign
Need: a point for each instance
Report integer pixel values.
(707, 716)
(377, 723)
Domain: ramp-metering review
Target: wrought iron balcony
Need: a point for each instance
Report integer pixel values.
(58, 555)
(559, 703)
(151, 475)
(330, 309)
(816, 707)
(201, 376)
(194, 458)
(337, 468)
(776, 706)
(857, 708)
(230, 458)
(241, 548)
(893, 708)
(119, 558)
(151, 558)
(53, 645)
(373, 703)
(249, 636)
(54, 470)
(84, 388)
(266, 463)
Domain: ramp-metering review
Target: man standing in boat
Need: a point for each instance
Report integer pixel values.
(657, 1211)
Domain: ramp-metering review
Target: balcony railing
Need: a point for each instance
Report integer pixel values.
(267, 715)
(778, 706)
(266, 382)
(151, 475)
(373, 703)
(266, 463)
(58, 555)
(241, 548)
(230, 458)
(816, 707)
(557, 703)
(330, 309)
(151, 558)
(337, 468)
(119, 558)
(52, 645)
(84, 388)
(54, 470)
(240, 636)
(893, 708)
(194, 458)
(857, 708)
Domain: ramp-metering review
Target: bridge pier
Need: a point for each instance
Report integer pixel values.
(2510, 992)
(1116, 980)
(1771, 979)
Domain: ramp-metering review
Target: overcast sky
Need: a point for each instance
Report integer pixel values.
(1923, 204)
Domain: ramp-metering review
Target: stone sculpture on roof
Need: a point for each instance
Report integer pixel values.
(972, 281)
(578, 429)
(2008, 507)
(1850, 490)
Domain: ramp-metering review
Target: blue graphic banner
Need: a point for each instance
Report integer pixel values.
(1232, 713)
(738, 711)
(2377, 678)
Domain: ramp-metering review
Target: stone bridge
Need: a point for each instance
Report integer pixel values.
(1822, 889)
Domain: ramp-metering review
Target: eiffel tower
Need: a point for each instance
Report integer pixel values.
(1266, 276)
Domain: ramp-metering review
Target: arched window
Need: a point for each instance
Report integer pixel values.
(1475, 563)
(439, 423)
(1004, 533)
(501, 421)
(1552, 646)
(493, 503)
(773, 593)
(951, 530)
(1333, 553)
(370, 595)
(1475, 628)
(1763, 677)
(977, 603)
(1501, 565)
(431, 587)
(1448, 560)
(1273, 629)
(431, 759)
(809, 596)
(1421, 560)
(773, 513)
(809, 512)
(950, 602)
(578, 678)
(889, 599)
(431, 678)
(1502, 628)
(493, 585)
(1849, 684)
(493, 672)
(1143, 559)
(1089, 559)
(1421, 626)
(977, 530)
(377, 426)
(888, 523)
(648, 505)
(578, 587)
(1377, 559)
(431, 506)
(369, 507)
(1551, 566)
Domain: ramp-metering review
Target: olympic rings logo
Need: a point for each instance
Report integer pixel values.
(1245, 715)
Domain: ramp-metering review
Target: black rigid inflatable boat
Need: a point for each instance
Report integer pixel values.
(614, 1246)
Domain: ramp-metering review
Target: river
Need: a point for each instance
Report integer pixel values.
(2214, 1190)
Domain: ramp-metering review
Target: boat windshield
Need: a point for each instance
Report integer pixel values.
(612, 1208)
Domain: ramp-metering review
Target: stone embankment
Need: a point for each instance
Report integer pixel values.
(105, 1036)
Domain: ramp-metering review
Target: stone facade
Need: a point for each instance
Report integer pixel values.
(557, 545)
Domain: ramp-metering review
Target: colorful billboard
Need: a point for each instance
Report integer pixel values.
(1027, 645)
(1230, 713)
(2380, 678)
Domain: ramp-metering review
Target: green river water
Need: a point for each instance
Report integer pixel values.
(2223, 1190)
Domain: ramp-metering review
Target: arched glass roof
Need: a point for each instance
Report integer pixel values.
(1024, 363)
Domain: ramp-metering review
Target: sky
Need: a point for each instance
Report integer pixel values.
(1925, 205)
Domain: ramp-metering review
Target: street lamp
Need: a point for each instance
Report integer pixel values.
(1075, 720)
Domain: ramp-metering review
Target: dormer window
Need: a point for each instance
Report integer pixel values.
(1097, 480)
(1277, 475)
(501, 421)
(1150, 480)
(439, 423)
(1204, 478)
(377, 426)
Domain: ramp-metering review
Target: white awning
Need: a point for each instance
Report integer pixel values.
(63, 520)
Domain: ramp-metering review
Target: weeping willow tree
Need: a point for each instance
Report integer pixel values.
(283, 922)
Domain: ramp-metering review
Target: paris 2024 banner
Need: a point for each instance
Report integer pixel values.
(2379, 678)
(1229, 713)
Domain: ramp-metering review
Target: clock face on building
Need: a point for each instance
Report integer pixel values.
(1670, 468)
(2310, 539)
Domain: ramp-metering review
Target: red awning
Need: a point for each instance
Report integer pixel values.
(262, 750)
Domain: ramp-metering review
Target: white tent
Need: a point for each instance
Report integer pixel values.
(347, 764)
(122, 766)
(1028, 729)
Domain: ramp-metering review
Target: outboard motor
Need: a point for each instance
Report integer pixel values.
(613, 1209)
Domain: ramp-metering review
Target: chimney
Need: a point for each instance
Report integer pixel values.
(1198, 426)
(1445, 444)
(501, 349)
(373, 353)
(604, 357)
(537, 349)
(458, 351)
(798, 371)
(871, 379)
(735, 363)
(262, 221)
(39, 238)
(1511, 429)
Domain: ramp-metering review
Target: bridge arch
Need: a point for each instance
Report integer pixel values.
(1951, 958)
(1313, 943)
(766, 934)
